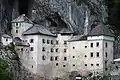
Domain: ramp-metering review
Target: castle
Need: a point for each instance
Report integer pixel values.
(55, 54)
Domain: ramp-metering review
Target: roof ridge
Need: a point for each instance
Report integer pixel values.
(28, 29)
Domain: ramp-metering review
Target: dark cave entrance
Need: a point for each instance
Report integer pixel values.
(25, 6)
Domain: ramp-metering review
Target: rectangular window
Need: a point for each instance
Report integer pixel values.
(106, 55)
(51, 58)
(21, 49)
(48, 41)
(16, 24)
(31, 49)
(43, 40)
(98, 54)
(32, 66)
(106, 45)
(97, 44)
(57, 42)
(65, 58)
(43, 57)
(85, 46)
(91, 64)
(73, 47)
(65, 42)
(91, 44)
(16, 31)
(43, 49)
(65, 50)
(56, 58)
(97, 64)
(91, 54)
(73, 64)
(56, 64)
(6, 39)
(52, 50)
(73, 56)
(31, 40)
(51, 41)
(106, 69)
(64, 65)
(85, 64)
(57, 50)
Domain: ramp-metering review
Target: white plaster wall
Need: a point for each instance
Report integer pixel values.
(109, 51)
(80, 60)
(60, 70)
(6, 42)
(22, 26)
(32, 54)
(47, 67)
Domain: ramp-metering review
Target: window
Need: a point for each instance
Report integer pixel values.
(106, 45)
(21, 49)
(56, 64)
(6, 39)
(65, 58)
(51, 41)
(57, 50)
(97, 64)
(52, 49)
(85, 56)
(51, 58)
(85, 64)
(56, 58)
(16, 24)
(43, 57)
(91, 64)
(57, 42)
(64, 65)
(16, 31)
(106, 54)
(65, 42)
(106, 69)
(43, 49)
(31, 49)
(65, 50)
(43, 40)
(73, 64)
(91, 44)
(73, 47)
(97, 44)
(31, 40)
(98, 54)
(73, 56)
(32, 66)
(105, 62)
(85, 46)
(91, 54)
(48, 41)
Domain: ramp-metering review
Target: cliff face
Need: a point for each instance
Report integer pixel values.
(74, 11)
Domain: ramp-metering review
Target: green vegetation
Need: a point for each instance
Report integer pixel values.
(5, 73)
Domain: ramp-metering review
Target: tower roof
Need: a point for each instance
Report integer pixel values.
(101, 29)
(22, 18)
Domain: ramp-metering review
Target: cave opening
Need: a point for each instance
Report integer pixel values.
(24, 6)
